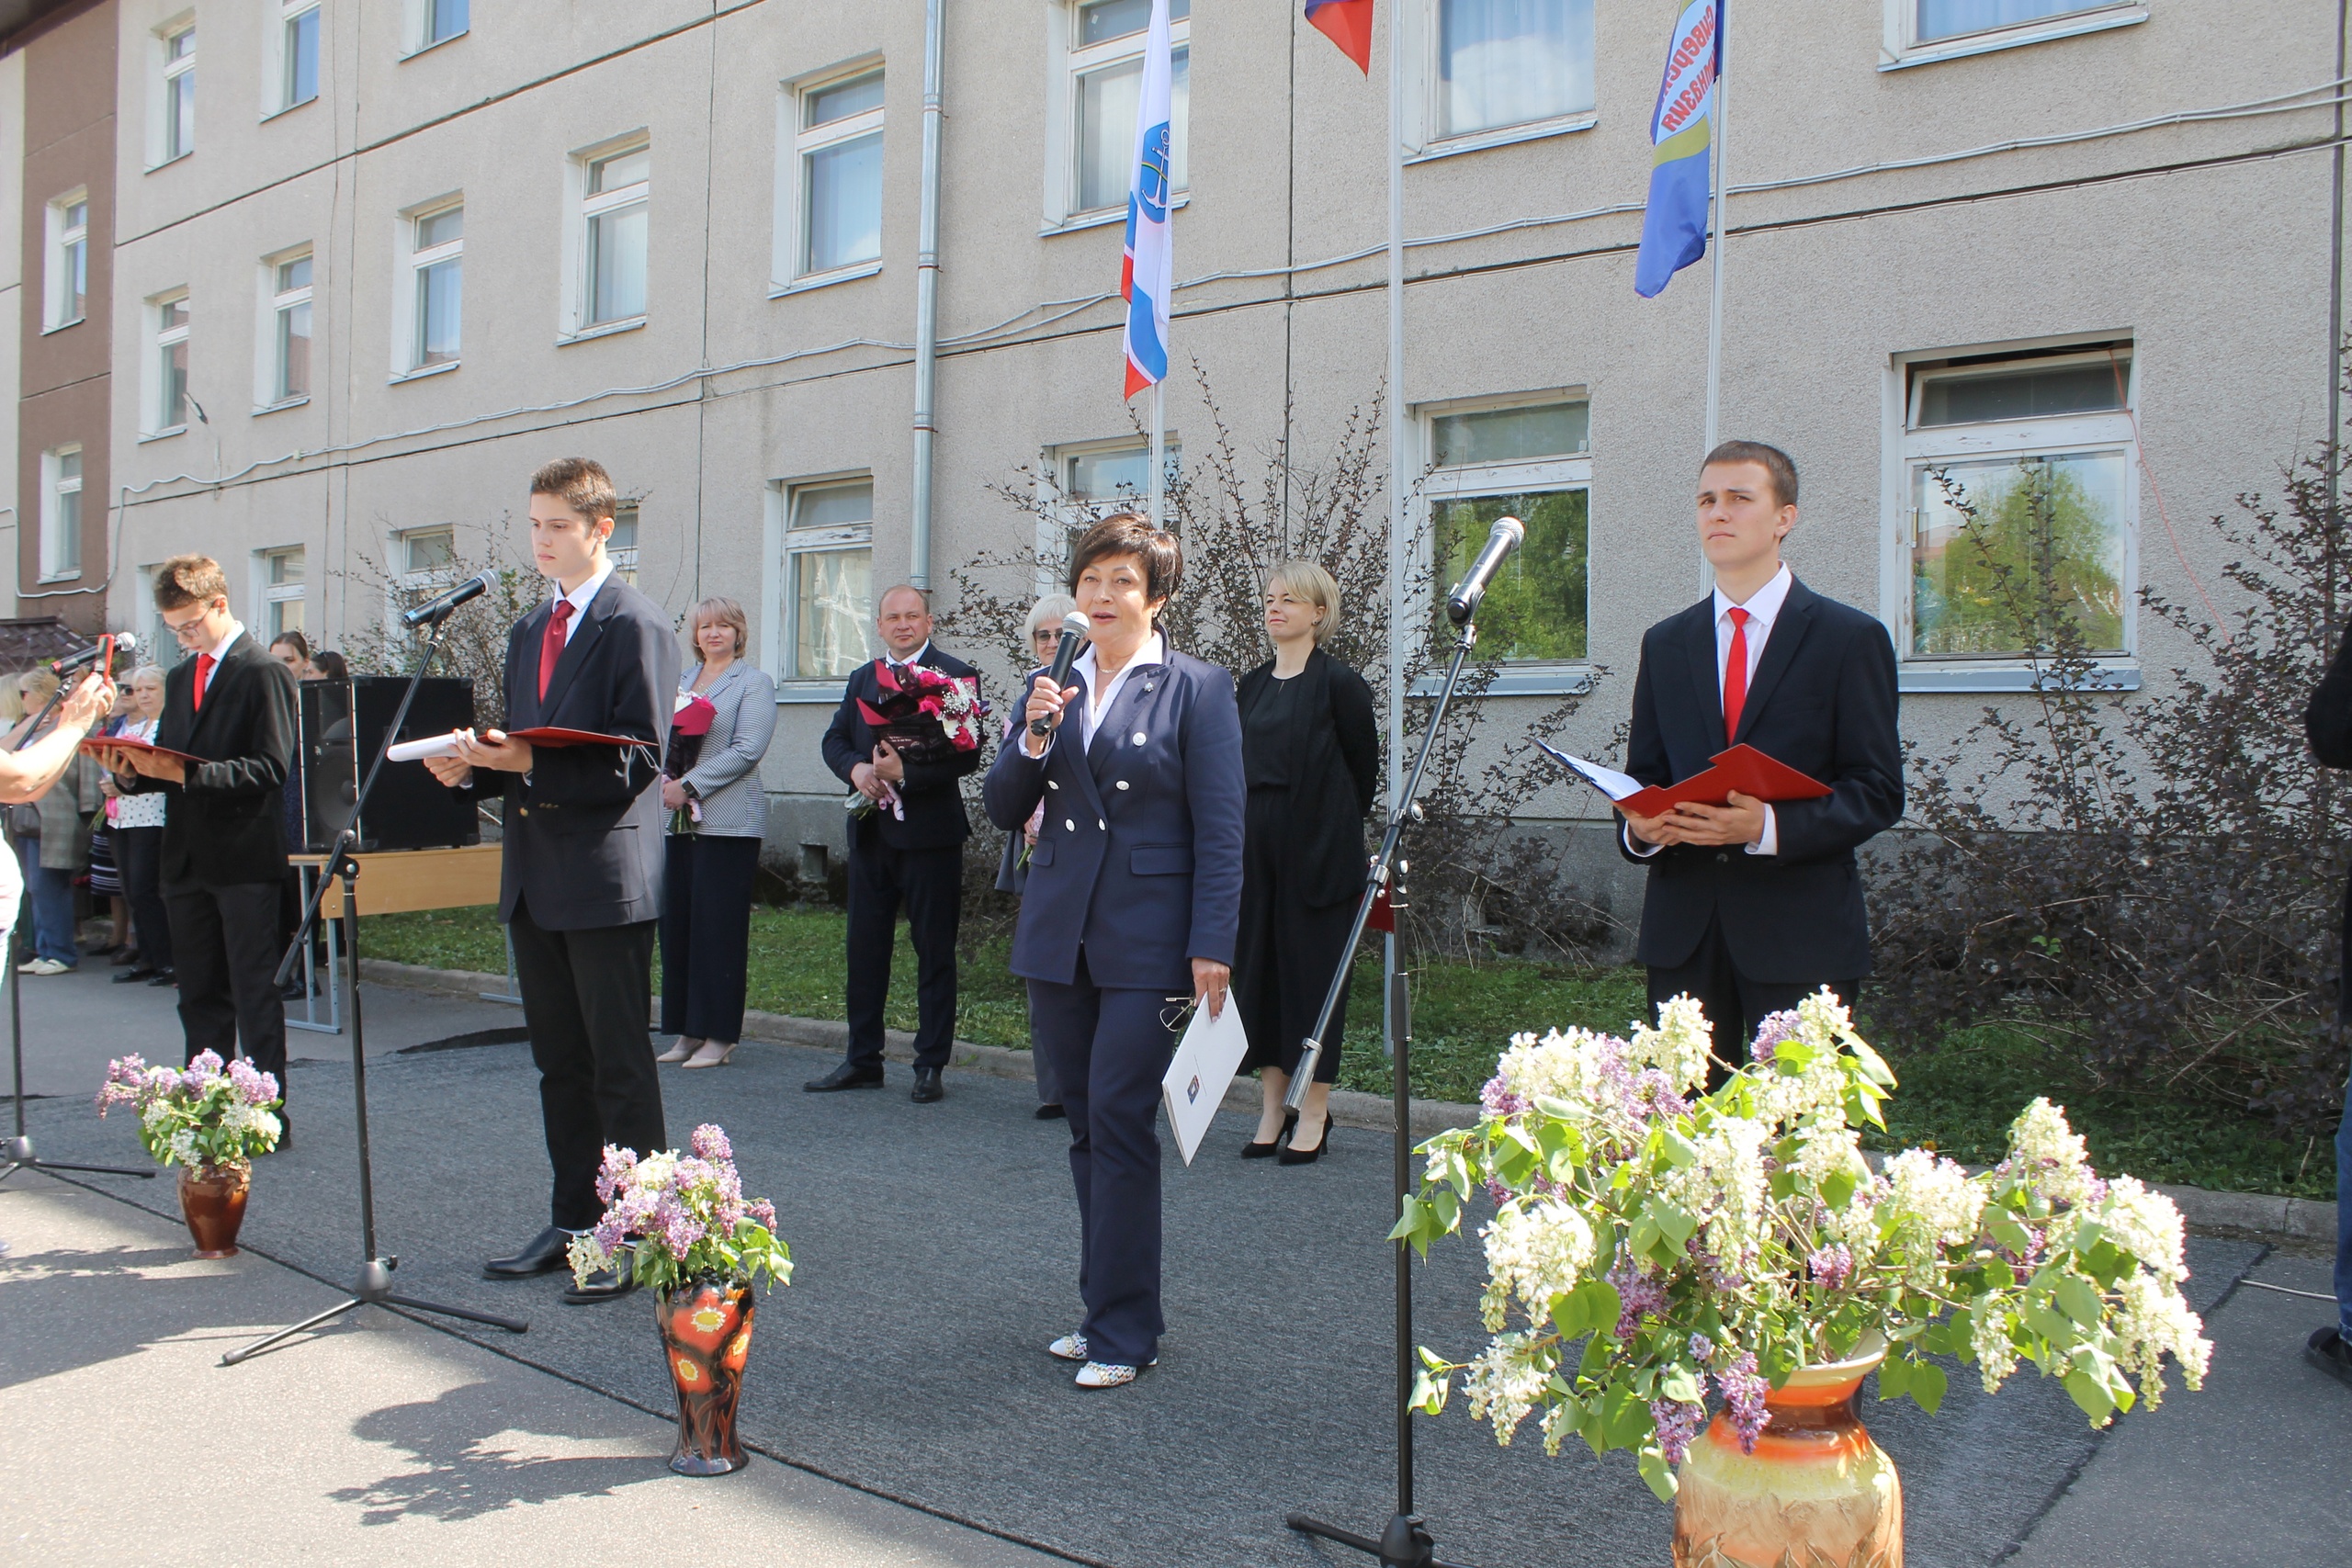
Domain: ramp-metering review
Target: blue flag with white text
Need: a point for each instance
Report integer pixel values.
(1674, 225)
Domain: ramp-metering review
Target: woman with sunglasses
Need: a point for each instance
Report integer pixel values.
(1044, 627)
(1133, 899)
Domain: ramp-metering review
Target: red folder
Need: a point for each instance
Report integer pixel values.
(554, 736)
(1743, 768)
(96, 743)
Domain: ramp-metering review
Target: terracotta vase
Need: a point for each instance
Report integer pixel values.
(705, 1336)
(212, 1197)
(1817, 1493)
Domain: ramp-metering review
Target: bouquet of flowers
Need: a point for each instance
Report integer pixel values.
(925, 715)
(1656, 1244)
(204, 1115)
(670, 1219)
(690, 721)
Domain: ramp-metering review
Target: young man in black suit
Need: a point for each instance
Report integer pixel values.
(918, 858)
(1753, 907)
(223, 857)
(581, 868)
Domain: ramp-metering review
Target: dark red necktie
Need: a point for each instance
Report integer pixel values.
(204, 663)
(552, 644)
(1735, 676)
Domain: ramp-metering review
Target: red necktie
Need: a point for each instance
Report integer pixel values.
(1735, 676)
(552, 644)
(204, 663)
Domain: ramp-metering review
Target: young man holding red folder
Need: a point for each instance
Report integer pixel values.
(581, 868)
(1754, 905)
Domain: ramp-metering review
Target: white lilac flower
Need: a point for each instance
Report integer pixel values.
(1726, 1188)
(2146, 1225)
(1829, 1152)
(2050, 1156)
(1535, 1250)
(1931, 1203)
(1505, 1382)
(1677, 1045)
(1989, 1339)
(183, 1146)
(2152, 1320)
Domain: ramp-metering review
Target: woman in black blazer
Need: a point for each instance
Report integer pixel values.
(1311, 749)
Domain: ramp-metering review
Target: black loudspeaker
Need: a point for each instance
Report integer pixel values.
(343, 729)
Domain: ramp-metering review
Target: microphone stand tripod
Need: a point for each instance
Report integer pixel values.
(374, 1286)
(20, 1147)
(1406, 1543)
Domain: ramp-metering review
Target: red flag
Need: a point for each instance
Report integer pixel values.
(1347, 23)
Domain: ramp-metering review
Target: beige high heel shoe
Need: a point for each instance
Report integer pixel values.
(713, 1053)
(687, 1047)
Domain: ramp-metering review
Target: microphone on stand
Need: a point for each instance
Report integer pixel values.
(1075, 628)
(433, 611)
(1508, 535)
(98, 652)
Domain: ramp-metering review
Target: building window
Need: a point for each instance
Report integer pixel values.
(436, 21)
(295, 67)
(621, 549)
(1920, 32)
(1509, 62)
(1104, 92)
(2020, 505)
(828, 579)
(424, 551)
(281, 592)
(67, 281)
(60, 513)
(437, 258)
(1938, 19)
(836, 165)
(288, 377)
(613, 225)
(1532, 460)
(168, 410)
(175, 106)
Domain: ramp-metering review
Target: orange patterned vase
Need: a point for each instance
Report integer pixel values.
(1816, 1494)
(212, 1199)
(707, 1336)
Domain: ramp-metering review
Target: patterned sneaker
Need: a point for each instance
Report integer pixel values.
(1106, 1374)
(1069, 1348)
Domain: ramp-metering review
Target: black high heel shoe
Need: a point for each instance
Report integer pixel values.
(1293, 1155)
(1268, 1151)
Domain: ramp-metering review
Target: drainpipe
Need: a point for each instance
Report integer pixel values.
(926, 303)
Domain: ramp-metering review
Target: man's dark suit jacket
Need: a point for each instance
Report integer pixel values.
(1823, 702)
(223, 826)
(2327, 724)
(935, 817)
(584, 834)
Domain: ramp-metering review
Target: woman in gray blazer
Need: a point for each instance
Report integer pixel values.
(719, 813)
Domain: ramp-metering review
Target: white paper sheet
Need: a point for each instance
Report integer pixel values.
(418, 751)
(1206, 1058)
(1607, 781)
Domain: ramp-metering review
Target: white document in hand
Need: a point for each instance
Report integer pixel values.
(1607, 781)
(1206, 1058)
(418, 751)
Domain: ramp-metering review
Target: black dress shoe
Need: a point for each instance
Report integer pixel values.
(1267, 1150)
(604, 1285)
(164, 977)
(1050, 1112)
(143, 972)
(2327, 1350)
(1293, 1155)
(927, 1087)
(544, 1254)
(844, 1077)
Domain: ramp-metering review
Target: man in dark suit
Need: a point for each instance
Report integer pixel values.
(1754, 905)
(223, 859)
(580, 867)
(910, 851)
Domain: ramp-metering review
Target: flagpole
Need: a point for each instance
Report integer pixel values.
(1400, 464)
(1158, 490)
(1715, 246)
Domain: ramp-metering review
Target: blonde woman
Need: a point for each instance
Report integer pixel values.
(51, 845)
(1310, 750)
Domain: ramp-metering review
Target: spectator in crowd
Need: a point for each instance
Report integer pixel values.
(105, 871)
(328, 665)
(1044, 636)
(25, 774)
(1310, 749)
(719, 813)
(2327, 724)
(292, 649)
(139, 841)
(52, 842)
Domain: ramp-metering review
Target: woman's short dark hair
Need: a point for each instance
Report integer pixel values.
(1131, 534)
(330, 665)
(294, 640)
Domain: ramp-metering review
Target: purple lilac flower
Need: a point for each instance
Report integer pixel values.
(1639, 1294)
(1703, 1347)
(763, 1211)
(1744, 1389)
(1499, 1100)
(1498, 1191)
(1677, 1424)
(1777, 1027)
(1833, 1266)
(1653, 1097)
(710, 1142)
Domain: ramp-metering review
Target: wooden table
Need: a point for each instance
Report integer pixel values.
(392, 882)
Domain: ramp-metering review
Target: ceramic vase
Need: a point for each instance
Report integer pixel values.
(1817, 1493)
(212, 1198)
(707, 1336)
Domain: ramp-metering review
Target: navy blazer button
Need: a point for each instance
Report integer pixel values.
(1147, 685)
(1068, 826)
(1123, 783)
(1723, 856)
(1138, 736)
(1051, 784)
(1105, 826)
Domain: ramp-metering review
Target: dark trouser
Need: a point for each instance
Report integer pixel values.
(1735, 1003)
(1285, 953)
(932, 883)
(225, 951)
(706, 934)
(587, 1000)
(139, 851)
(2344, 1218)
(1108, 1050)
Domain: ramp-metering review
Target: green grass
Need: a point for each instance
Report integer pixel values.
(1960, 1098)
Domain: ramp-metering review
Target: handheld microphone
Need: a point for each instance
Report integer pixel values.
(98, 652)
(435, 611)
(1075, 628)
(1461, 604)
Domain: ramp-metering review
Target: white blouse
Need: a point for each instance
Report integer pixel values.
(139, 810)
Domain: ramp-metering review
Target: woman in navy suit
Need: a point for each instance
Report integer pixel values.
(1134, 894)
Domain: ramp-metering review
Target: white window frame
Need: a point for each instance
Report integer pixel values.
(624, 556)
(1903, 49)
(416, 29)
(793, 147)
(162, 125)
(269, 595)
(277, 57)
(1062, 514)
(1468, 482)
(578, 299)
(779, 620)
(160, 338)
(1066, 63)
(61, 548)
(1909, 449)
(269, 381)
(1423, 141)
(57, 268)
(408, 267)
